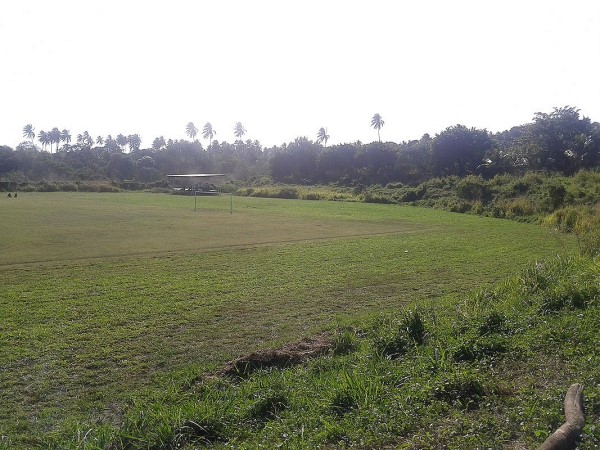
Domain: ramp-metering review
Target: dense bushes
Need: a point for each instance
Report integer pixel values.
(60, 186)
(584, 221)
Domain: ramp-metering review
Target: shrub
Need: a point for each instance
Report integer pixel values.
(493, 322)
(414, 326)
(343, 402)
(477, 208)
(268, 407)
(569, 296)
(68, 187)
(472, 188)
(519, 207)
(463, 388)
(205, 431)
(391, 343)
(583, 221)
(409, 196)
(458, 206)
(479, 348)
(308, 195)
(344, 342)
(376, 198)
(287, 192)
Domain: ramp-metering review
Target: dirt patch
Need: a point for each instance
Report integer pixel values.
(286, 356)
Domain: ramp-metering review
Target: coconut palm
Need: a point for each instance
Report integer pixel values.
(159, 143)
(239, 131)
(191, 130)
(134, 142)
(322, 136)
(88, 139)
(100, 141)
(44, 139)
(121, 141)
(208, 132)
(377, 122)
(110, 143)
(29, 132)
(65, 136)
(54, 135)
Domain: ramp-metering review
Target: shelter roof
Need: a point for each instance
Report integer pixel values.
(198, 175)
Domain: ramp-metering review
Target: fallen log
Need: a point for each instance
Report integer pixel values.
(566, 436)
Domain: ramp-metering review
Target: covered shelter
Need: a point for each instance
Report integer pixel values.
(196, 183)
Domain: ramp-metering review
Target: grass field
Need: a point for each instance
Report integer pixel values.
(102, 293)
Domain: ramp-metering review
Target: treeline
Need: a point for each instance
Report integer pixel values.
(561, 141)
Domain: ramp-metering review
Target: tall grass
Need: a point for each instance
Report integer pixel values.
(583, 221)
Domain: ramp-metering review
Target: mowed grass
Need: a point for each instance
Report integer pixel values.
(101, 293)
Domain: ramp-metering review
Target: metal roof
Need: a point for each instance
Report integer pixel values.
(198, 175)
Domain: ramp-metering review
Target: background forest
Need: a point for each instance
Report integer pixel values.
(560, 141)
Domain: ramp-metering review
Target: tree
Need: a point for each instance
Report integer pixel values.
(159, 143)
(111, 144)
(208, 132)
(322, 136)
(65, 136)
(191, 130)
(239, 131)
(134, 141)
(377, 122)
(54, 136)
(100, 141)
(459, 150)
(29, 132)
(44, 139)
(85, 139)
(566, 140)
(121, 141)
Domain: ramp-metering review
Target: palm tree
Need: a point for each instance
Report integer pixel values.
(208, 132)
(121, 141)
(100, 141)
(377, 122)
(191, 130)
(65, 136)
(88, 139)
(110, 143)
(29, 132)
(54, 136)
(239, 131)
(159, 143)
(134, 142)
(44, 139)
(322, 136)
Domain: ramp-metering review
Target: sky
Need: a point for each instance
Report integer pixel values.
(285, 68)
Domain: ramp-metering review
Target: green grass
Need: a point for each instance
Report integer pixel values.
(486, 371)
(104, 294)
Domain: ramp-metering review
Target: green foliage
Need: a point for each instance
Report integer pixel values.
(464, 388)
(415, 326)
(583, 221)
(493, 322)
(391, 340)
(371, 197)
(474, 349)
(344, 341)
(267, 406)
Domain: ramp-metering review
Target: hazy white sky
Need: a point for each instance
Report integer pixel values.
(286, 68)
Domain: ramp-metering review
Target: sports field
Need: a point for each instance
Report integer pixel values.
(103, 293)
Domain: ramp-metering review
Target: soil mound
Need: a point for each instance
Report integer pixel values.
(286, 356)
